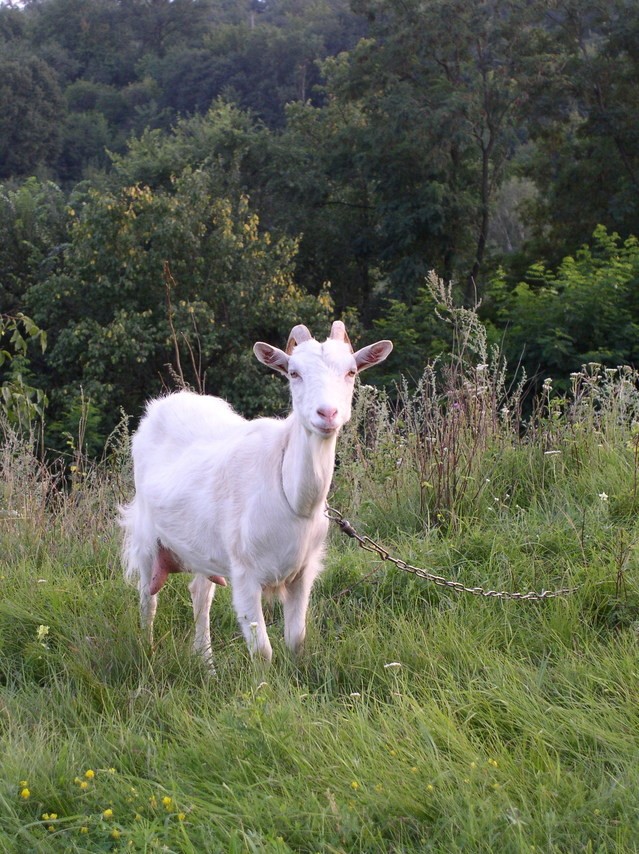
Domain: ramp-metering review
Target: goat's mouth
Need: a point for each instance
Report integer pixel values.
(326, 430)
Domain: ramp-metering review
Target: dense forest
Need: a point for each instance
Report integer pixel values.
(180, 179)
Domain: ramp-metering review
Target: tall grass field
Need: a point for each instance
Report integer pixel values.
(417, 719)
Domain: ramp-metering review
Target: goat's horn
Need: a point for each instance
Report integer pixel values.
(338, 331)
(298, 334)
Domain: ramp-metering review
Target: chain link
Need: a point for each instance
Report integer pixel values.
(369, 545)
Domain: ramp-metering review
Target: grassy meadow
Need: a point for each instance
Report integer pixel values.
(417, 718)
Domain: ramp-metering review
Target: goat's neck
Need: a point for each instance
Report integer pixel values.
(307, 468)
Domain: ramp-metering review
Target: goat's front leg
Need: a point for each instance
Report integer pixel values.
(202, 593)
(295, 598)
(247, 601)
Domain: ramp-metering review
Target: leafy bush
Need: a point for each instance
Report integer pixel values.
(147, 272)
(585, 311)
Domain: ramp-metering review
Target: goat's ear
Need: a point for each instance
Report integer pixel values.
(373, 354)
(272, 357)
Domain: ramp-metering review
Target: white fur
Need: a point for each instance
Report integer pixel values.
(244, 499)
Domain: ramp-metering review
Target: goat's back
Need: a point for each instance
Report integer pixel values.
(184, 418)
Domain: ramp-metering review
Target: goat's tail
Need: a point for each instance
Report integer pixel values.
(135, 551)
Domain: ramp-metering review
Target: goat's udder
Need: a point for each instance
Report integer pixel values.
(165, 563)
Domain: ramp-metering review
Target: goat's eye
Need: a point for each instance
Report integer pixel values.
(351, 374)
(294, 375)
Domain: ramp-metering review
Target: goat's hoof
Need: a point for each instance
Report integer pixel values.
(206, 657)
(262, 656)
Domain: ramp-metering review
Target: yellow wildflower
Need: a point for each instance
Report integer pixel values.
(25, 793)
(167, 801)
(107, 813)
(115, 833)
(355, 785)
(181, 816)
(89, 774)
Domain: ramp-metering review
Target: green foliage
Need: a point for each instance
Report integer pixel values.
(373, 144)
(20, 402)
(30, 108)
(123, 67)
(33, 230)
(441, 106)
(587, 134)
(225, 141)
(392, 134)
(320, 190)
(418, 331)
(115, 320)
(585, 311)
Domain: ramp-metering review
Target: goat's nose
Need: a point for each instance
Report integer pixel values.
(327, 412)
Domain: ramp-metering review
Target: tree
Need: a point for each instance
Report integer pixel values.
(33, 231)
(316, 186)
(585, 311)
(442, 106)
(177, 276)
(588, 136)
(31, 106)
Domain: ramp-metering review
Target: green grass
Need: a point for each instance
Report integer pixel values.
(507, 727)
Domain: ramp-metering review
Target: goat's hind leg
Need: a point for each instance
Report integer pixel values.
(202, 593)
(148, 600)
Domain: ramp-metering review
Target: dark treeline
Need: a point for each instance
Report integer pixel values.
(183, 178)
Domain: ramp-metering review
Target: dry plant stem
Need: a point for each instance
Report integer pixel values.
(169, 283)
(176, 371)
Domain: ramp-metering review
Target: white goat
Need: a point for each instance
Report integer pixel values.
(225, 498)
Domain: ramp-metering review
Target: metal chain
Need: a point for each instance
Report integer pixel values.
(369, 545)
